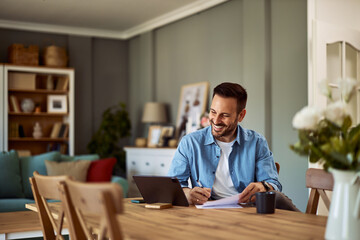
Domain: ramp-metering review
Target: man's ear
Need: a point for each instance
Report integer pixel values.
(241, 115)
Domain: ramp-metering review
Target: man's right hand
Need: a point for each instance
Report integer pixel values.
(197, 195)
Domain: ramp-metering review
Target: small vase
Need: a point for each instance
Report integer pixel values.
(37, 131)
(344, 215)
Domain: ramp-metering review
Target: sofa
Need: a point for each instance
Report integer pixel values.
(15, 171)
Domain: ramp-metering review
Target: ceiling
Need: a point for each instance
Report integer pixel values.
(120, 19)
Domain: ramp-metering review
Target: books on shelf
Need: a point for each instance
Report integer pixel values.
(15, 104)
(21, 131)
(60, 147)
(14, 130)
(55, 130)
(64, 130)
(59, 130)
(62, 83)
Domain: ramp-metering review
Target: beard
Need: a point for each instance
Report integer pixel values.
(225, 131)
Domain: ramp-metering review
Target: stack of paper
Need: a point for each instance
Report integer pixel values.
(229, 202)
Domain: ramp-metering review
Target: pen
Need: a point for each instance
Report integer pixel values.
(199, 183)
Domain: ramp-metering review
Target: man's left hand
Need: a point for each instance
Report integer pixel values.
(252, 188)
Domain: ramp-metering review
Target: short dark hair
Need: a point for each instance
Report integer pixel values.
(232, 90)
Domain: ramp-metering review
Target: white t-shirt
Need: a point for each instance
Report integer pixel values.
(223, 185)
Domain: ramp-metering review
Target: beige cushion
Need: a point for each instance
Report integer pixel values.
(76, 169)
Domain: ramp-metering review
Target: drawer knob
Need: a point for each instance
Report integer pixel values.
(162, 165)
(147, 163)
(133, 163)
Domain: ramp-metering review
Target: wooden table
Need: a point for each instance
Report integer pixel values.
(23, 224)
(191, 223)
(15, 225)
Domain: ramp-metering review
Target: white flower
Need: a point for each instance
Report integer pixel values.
(307, 118)
(347, 87)
(336, 112)
(325, 88)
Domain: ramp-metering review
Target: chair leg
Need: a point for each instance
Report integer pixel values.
(313, 202)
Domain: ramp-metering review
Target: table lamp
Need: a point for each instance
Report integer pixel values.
(154, 112)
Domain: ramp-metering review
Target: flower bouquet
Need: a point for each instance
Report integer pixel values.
(328, 136)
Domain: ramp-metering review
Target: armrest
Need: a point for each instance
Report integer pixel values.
(122, 182)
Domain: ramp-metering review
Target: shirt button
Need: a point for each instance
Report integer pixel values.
(217, 156)
(214, 172)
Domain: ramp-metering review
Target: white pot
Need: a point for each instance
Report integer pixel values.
(344, 215)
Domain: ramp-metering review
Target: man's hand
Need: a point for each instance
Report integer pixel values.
(252, 188)
(197, 195)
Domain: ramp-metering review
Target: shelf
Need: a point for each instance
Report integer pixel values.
(30, 139)
(39, 114)
(37, 83)
(40, 91)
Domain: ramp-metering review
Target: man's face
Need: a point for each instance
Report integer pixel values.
(224, 119)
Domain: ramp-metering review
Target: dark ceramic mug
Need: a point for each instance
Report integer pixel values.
(265, 202)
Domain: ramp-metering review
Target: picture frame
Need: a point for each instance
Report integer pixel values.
(154, 136)
(167, 132)
(57, 104)
(192, 103)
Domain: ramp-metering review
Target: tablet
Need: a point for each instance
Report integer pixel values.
(161, 189)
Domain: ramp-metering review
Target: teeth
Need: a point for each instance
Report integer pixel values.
(219, 127)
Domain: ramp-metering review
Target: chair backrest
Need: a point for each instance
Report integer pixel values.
(95, 202)
(277, 165)
(45, 188)
(319, 181)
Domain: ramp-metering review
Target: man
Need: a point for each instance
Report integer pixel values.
(226, 159)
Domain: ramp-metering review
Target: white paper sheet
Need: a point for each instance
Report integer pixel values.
(229, 202)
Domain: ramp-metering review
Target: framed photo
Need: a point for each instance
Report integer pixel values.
(154, 136)
(57, 104)
(192, 103)
(167, 132)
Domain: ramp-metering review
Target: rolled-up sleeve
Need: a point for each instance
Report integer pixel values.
(265, 165)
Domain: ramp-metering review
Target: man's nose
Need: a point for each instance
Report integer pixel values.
(216, 119)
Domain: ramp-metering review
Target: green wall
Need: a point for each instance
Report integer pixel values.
(289, 91)
(259, 44)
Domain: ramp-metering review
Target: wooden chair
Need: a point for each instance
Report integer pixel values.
(45, 188)
(319, 181)
(277, 167)
(94, 202)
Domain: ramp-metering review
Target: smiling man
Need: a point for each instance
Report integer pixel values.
(225, 159)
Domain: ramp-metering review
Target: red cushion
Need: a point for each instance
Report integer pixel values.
(101, 170)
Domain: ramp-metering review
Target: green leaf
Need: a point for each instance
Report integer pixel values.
(346, 124)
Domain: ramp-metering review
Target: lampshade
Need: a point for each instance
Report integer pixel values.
(154, 112)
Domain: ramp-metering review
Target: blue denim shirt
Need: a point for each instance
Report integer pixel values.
(198, 155)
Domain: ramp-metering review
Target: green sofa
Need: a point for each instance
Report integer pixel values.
(15, 188)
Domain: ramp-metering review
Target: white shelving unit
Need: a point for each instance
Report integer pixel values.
(39, 94)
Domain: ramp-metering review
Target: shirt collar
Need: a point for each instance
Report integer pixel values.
(210, 138)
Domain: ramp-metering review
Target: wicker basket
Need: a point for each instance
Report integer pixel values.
(55, 56)
(18, 54)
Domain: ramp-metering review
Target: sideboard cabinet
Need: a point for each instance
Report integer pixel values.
(146, 161)
(37, 109)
